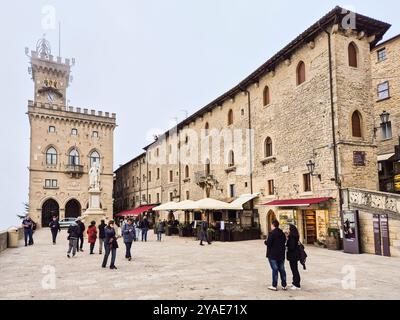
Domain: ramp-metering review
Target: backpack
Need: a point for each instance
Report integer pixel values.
(303, 256)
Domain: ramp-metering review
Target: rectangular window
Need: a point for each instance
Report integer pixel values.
(158, 198)
(171, 197)
(386, 130)
(149, 176)
(158, 173)
(187, 195)
(382, 56)
(149, 197)
(95, 134)
(74, 132)
(232, 191)
(52, 129)
(271, 187)
(171, 176)
(51, 184)
(383, 90)
(307, 182)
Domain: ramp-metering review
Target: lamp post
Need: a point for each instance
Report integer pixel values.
(311, 169)
(385, 116)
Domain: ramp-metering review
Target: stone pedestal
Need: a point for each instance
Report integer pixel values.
(94, 213)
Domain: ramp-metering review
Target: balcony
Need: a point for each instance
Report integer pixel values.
(74, 170)
(203, 176)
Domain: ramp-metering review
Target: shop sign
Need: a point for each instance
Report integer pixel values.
(377, 234)
(321, 225)
(385, 235)
(286, 217)
(359, 158)
(351, 232)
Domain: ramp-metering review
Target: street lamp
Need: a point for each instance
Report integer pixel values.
(385, 116)
(311, 169)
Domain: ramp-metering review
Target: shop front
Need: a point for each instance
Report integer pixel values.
(310, 216)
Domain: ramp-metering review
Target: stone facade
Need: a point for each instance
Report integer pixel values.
(297, 119)
(64, 143)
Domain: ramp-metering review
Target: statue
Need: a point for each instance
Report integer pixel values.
(94, 177)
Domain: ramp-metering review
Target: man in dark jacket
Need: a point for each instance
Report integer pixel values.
(145, 228)
(28, 226)
(55, 228)
(81, 230)
(73, 235)
(111, 245)
(102, 236)
(276, 249)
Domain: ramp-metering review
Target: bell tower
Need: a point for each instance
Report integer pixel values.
(51, 75)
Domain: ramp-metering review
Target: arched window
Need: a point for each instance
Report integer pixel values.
(51, 156)
(301, 73)
(267, 97)
(231, 159)
(268, 147)
(353, 55)
(207, 128)
(73, 159)
(356, 124)
(187, 173)
(230, 117)
(94, 158)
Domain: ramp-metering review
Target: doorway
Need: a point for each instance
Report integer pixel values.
(310, 226)
(49, 209)
(72, 209)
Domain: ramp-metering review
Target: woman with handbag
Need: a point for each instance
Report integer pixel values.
(111, 245)
(92, 236)
(294, 255)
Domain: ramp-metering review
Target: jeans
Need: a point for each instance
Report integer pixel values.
(113, 252)
(278, 267)
(138, 231)
(80, 242)
(54, 233)
(294, 266)
(144, 234)
(101, 244)
(159, 235)
(28, 234)
(128, 246)
(73, 244)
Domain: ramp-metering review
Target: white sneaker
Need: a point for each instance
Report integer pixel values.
(284, 288)
(295, 288)
(273, 288)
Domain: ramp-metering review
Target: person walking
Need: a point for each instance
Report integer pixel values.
(137, 229)
(111, 245)
(203, 233)
(276, 249)
(55, 228)
(28, 226)
(145, 225)
(102, 235)
(81, 233)
(73, 235)
(128, 233)
(160, 230)
(294, 255)
(92, 236)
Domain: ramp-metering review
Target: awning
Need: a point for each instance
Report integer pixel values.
(166, 206)
(297, 202)
(135, 212)
(385, 157)
(185, 205)
(209, 204)
(242, 200)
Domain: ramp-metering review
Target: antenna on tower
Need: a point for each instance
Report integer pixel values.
(59, 38)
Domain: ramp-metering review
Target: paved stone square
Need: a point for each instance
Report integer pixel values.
(180, 269)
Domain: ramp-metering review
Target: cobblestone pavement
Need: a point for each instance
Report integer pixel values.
(180, 269)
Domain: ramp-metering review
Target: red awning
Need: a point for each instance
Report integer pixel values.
(297, 202)
(135, 212)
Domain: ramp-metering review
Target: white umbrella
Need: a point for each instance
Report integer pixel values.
(166, 207)
(209, 204)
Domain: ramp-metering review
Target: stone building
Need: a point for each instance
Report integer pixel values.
(64, 143)
(385, 62)
(291, 135)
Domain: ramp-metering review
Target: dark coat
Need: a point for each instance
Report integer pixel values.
(54, 225)
(74, 231)
(81, 227)
(111, 237)
(129, 233)
(203, 231)
(276, 245)
(293, 249)
(144, 224)
(102, 234)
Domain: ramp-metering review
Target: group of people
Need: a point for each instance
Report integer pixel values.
(281, 245)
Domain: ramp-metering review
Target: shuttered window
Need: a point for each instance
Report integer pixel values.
(356, 124)
(301, 73)
(353, 59)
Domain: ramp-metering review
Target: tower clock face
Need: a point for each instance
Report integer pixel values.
(50, 97)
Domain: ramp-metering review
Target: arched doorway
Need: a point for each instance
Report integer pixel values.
(270, 217)
(49, 209)
(72, 209)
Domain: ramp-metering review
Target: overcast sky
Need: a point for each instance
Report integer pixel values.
(149, 61)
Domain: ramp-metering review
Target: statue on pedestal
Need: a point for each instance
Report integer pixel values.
(94, 177)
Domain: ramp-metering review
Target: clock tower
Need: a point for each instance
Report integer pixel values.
(66, 142)
(51, 76)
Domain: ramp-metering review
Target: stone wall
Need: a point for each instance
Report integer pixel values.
(3, 240)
